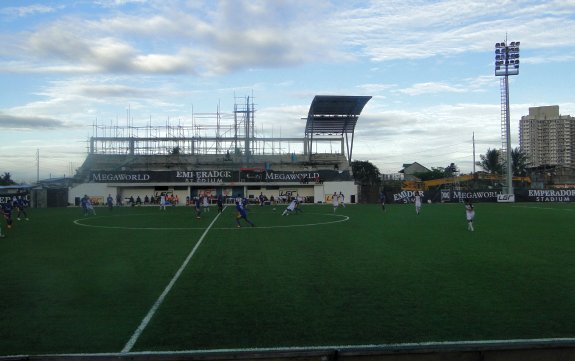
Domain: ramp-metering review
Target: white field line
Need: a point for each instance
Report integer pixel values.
(78, 222)
(369, 347)
(545, 208)
(511, 342)
(168, 288)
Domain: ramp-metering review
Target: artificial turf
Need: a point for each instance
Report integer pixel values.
(359, 276)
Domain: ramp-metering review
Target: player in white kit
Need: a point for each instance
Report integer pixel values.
(470, 214)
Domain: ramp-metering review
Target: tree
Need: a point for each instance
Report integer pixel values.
(490, 161)
(6, 180)
(365, 172)
(519, 162)
(434, 173)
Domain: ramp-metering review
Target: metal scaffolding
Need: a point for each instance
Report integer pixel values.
(206, 133)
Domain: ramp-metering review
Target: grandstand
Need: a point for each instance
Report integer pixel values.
(183, 161)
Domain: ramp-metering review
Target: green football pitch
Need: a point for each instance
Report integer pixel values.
(141, 279)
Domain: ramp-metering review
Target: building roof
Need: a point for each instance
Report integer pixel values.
(334, 114)
(414, 165)
(16, 186)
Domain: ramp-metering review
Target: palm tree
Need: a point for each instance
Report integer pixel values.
(6, 179)
(519, 162)
(490, 161)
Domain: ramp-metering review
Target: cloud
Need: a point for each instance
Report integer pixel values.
(22, 11)
(430, 87)
(213, 38)
(118, 3)
(174, 40)
(99, 90)
(402, 30)
(24, 122)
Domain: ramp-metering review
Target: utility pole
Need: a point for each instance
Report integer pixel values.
(37, 165)
(473, 139)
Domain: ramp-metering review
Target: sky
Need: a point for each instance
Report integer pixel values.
(428, 65)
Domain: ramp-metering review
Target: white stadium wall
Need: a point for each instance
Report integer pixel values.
(93, 190)
(349, 190)
(321, 193)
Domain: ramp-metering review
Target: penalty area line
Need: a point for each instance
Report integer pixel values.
(132, 341)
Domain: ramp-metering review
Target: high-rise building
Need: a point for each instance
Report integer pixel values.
(546, 137)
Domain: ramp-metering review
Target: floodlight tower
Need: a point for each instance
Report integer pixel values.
(506, 63)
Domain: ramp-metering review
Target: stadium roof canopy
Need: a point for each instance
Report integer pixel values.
(334, 115)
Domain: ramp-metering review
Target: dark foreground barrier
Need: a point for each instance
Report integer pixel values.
(557, 349)
(451, 196)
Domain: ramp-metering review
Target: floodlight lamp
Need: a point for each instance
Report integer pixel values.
(517, 43)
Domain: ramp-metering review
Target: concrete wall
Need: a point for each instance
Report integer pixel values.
(318, 191)
(92, 190)
(349, 190)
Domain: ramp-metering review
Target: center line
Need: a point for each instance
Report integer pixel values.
(160, 299)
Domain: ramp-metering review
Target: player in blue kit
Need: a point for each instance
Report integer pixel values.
(86, 204)
(110, 202)
(220, 202)
(198, 206)
(20, 203)
(7, 213)
(382, 200)
(242, 214)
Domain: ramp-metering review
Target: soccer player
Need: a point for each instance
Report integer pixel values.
(110, 202)
(242, 214)
(198, 206)
(470, 214)
(7, 213)
(163, 201)
(262, 199)
(417, 203)
(382, 200)
(2, 213)
(87, 205)
(220, 202)
(20, 203)
(342, 199)
(292, 207)
(335, 201)
(206, 203)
